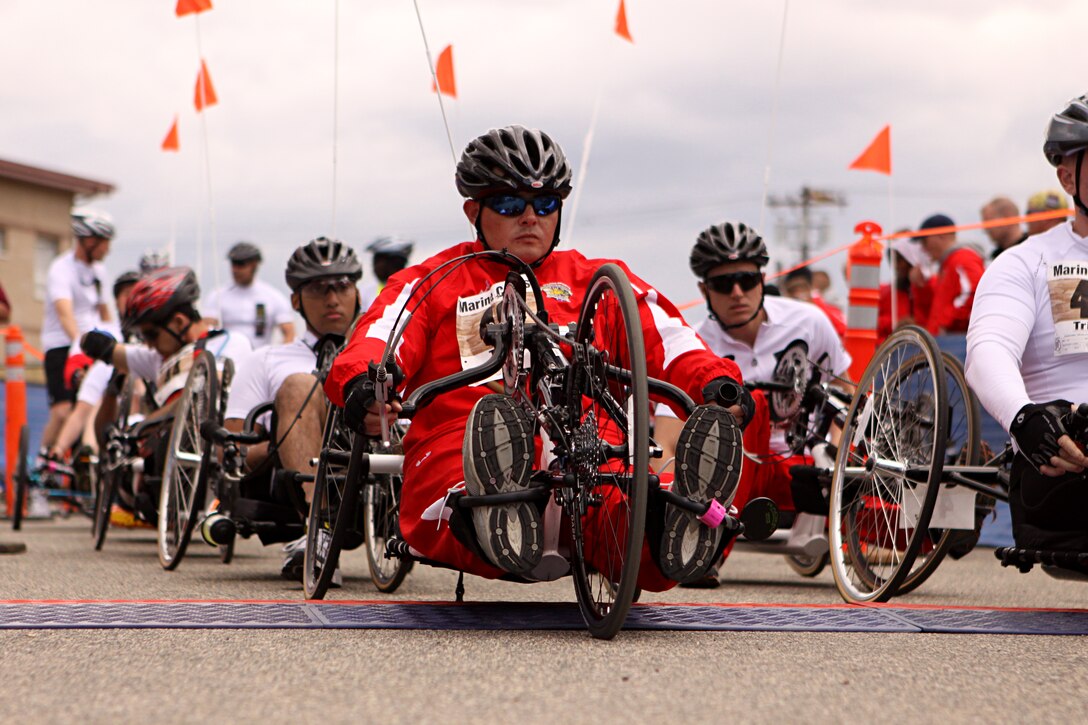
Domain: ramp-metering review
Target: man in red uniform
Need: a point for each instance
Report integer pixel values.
(961, 268)
(514, 180)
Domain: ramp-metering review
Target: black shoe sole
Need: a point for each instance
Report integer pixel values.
(709, 452)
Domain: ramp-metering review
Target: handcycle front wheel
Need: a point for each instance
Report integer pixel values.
(109, 474)
(188, 462)
(888, 469)
(21, 479)
(608, 401)
(381, 512)
(326, 529)
(964, 448)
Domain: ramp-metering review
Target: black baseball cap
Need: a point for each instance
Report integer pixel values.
(932, 222)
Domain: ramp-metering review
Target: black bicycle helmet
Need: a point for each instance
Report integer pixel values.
(322, 257)
(727, 242)
(1068, 131)
(512, 159)
(87, 223)
(156, 297)
(244, 252)
(125, 279)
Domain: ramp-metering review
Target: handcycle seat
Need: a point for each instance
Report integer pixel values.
(143, 428)
(1070, 565)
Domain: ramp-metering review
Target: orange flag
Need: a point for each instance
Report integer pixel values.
(170, 143)
(621, 24)
(191, 7)
(878, 156)
(205, 91)
(443, 70)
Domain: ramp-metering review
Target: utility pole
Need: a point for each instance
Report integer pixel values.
(806, 203)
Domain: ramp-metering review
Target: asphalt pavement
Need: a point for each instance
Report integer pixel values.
(326, 676)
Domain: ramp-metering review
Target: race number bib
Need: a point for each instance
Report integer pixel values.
(1068, 286)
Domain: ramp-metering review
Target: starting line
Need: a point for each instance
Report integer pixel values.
(193, 614)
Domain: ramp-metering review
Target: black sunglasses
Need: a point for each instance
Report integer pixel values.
(723, 283)
(510, 205)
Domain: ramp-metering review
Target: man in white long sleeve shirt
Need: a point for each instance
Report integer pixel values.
(1027, 354)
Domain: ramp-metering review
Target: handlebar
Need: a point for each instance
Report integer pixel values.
(214, 433)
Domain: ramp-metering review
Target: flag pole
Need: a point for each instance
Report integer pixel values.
(774, 115)
(438, 91)
(583, 166)
(335, 106)
(894, 254)
(207, 162)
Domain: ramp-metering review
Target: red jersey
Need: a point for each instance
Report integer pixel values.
(954, 291)
(904, 310)
(443, 337)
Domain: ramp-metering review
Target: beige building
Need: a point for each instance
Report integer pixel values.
(35, 205)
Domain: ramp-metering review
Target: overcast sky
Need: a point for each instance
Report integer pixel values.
(90, 88)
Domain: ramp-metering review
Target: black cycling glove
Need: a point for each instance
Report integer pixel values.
(99, 345)
(727, 392)
(361, 392)
(1037, 428)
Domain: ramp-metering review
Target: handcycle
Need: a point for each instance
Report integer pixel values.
(909, 480)
(70, 485)
(586, 386)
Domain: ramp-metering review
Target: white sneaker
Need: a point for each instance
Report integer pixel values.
(295, 560)
(38, 505)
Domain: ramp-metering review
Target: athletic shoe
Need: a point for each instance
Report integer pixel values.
(294, 562)
(708, 462)
(37, 506)
(709, 580)
(498, 458)
(125, 519)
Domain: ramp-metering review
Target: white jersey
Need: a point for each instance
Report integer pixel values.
(367, 294)
(170, 375)
(81, 283)
(789, 324)
(255, 311)
(1028, 337)
(265, 371)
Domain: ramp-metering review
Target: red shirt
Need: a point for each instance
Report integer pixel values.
(903, 310)
(838, 319)
(954, 291)
(442, 337)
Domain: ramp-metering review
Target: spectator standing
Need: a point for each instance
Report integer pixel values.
(390, 255)
(960, 268)
(1008, 235)
(5, 307)
(250, 306)
(798, 285)
(73, 305)
(1046, 200)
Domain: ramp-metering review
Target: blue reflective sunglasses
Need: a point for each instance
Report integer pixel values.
(510, 205)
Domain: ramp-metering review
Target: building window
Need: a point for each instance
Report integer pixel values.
(3, 242)
(46, 248)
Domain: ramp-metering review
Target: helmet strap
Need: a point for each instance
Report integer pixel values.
(1076, 195)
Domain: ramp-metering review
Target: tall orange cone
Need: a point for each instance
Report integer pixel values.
(861, 316)
(15, 415)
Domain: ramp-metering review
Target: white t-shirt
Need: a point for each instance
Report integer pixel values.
(258, 308)
(170, 375)
(70, 279)
(1028, 337)
(265, 371)
(789, 323)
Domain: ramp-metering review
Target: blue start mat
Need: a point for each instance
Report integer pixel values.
(531, 616)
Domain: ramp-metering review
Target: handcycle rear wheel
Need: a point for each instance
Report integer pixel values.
(21, 479)
(188, 462)
(326, 528)
(609, 402)
(109, 475)
(964, 448)
(381, 510)
(888, 468)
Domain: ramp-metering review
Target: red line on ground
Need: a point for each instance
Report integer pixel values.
(387, 602)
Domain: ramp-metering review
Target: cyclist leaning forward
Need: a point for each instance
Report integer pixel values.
(514, 180)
